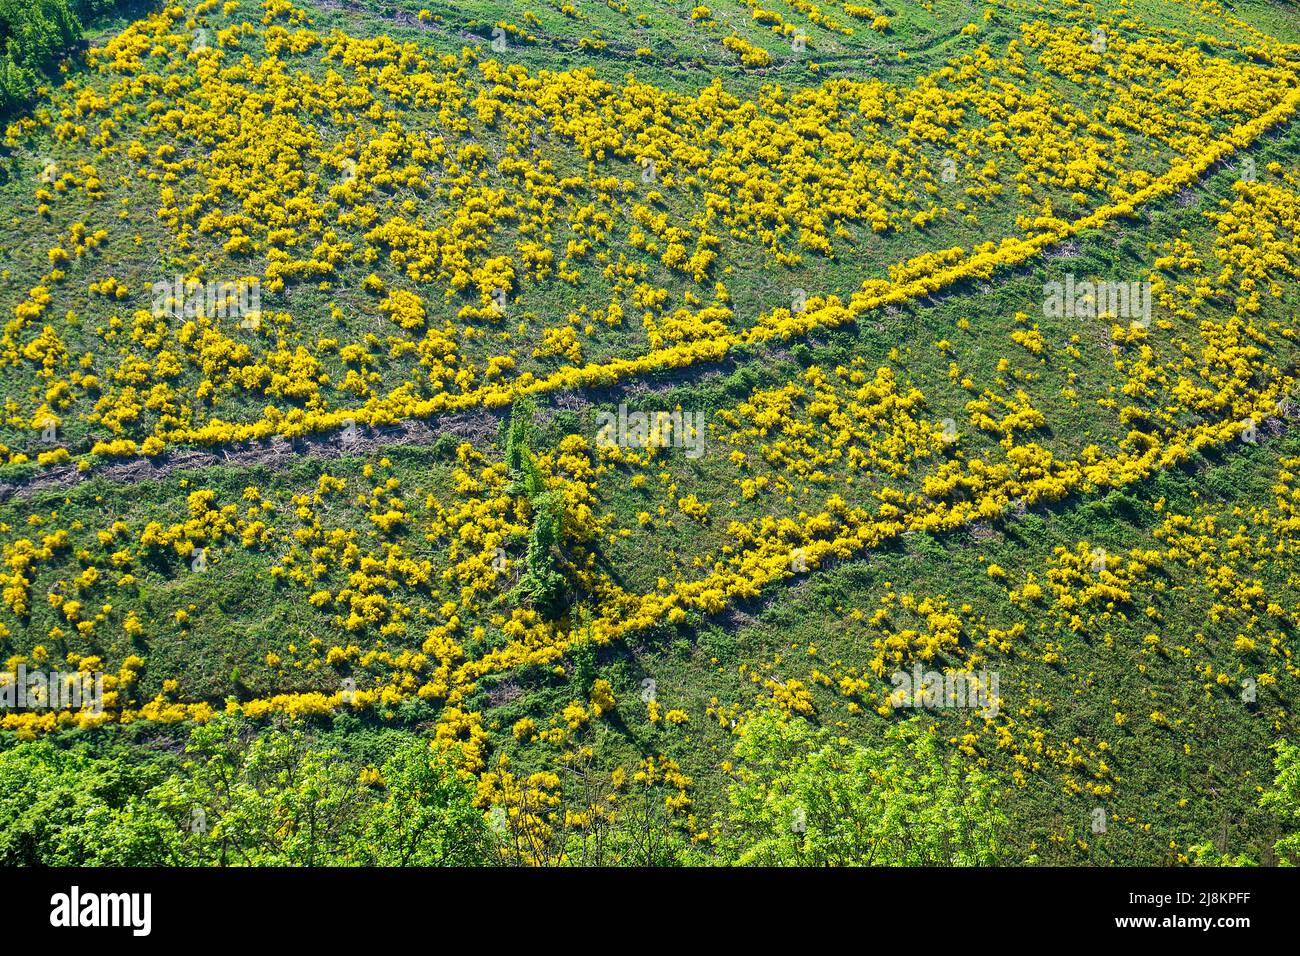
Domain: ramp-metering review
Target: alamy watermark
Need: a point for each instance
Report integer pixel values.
(74, 909)
(189, 298)
(651, 430)
(1100, 299)
(52, 690)
(955, 690)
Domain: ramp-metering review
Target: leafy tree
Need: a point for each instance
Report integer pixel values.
(1205, 854)
(427, 817)
(273, 800)
(266, 799)
(32, 35)
(520, 429)
(66, 808)
(542, 585)
(36, 34)
(803, 796)
(1282, 800)
(584, 659)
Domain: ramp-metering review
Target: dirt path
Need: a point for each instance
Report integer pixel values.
(479, 428)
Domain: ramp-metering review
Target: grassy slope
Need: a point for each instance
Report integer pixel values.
(237, 615)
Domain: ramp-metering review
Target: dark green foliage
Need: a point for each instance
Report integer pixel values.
(32, 37)
(584, 667)
(444, 447)
(36, 34)
(519, 429)
(542, 586)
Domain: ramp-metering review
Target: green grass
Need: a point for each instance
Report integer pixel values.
(1173, 786)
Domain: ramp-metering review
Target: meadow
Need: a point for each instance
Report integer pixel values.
(575, 420)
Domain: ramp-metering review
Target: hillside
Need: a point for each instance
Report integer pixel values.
(620, 401)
